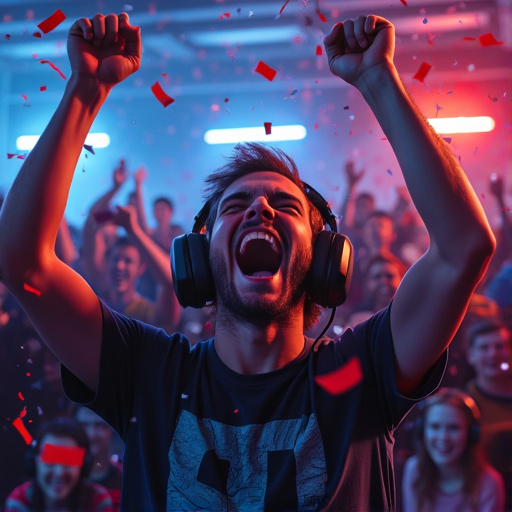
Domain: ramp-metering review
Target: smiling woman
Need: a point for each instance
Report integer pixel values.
(449, 471)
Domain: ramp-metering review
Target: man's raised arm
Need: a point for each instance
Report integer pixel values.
(102, 51)
(434, 294)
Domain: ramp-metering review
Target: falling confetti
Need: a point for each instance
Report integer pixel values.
(65, 455)
(318, 50)
(20, 427)
(342, 379)
(489, 40)
(268, 128)
(265, 71)
(422, 72)
(42, 88)
(30, 289)
(52, 21)
(160, 95)
(53, 66)
(282, 8)
(89, 148)
(226, 15)
(404, 2)
(321, 16)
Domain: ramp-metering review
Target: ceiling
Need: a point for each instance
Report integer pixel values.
(215, 42)
(204, 52)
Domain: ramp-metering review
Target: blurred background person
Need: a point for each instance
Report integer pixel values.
(490, 355)
(58, 462)
(105, 449)
(449, 472)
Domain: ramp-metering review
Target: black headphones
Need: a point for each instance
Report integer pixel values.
(329, 277)
(449, 396)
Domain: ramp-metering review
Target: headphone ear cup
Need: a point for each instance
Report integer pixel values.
(331, 269)
(191, 272)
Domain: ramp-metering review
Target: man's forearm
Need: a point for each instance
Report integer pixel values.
(36, 201)
(438, 186)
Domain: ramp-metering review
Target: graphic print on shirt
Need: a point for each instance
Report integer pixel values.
(275, 466)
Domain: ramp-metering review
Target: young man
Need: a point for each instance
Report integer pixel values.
(490, 354)
(238, 422)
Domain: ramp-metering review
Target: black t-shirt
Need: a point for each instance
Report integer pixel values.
(200, 436)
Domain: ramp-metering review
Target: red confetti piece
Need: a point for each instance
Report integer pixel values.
(53, 66)
(225, 15)
(52, 21)
(29, 288)
(282, 8)
(65, 455)
(20, 396)
(265, 71)
(37, 34)
(20, 427)
(24, 96)
(236, 411)
(42, 88)
(404, 2)
(268, 128)
(489, 40)
(7, 36)
(318, 50)
(469, 38)
(422, 72)
(321, 15)
(160, 95)
(342, 379)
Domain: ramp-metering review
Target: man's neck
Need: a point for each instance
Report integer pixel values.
(250, 349)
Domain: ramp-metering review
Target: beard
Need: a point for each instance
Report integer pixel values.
(262, 311)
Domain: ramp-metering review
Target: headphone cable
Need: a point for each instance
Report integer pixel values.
(325, 328)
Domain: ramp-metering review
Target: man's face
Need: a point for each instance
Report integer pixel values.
(382, 281)
(378, 233)
(98, 431)
(260, 247)
(125, 267)
(491, 354)
(162, 212)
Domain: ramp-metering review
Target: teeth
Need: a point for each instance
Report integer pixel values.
(261, 235)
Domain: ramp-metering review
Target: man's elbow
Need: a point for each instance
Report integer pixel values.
(482, 251)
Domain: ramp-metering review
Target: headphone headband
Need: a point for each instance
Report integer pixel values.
(313, 196)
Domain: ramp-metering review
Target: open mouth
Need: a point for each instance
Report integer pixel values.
(259, 255)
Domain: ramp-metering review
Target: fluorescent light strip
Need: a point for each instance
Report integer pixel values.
(255, 134)
(96, 140)
(462, 124)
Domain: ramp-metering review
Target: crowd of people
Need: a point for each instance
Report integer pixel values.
(452, 450)
(117, 245)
